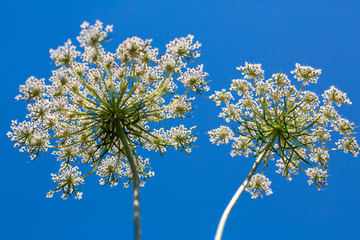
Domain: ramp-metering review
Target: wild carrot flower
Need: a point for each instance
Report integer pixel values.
(99, 106)
(275, 120)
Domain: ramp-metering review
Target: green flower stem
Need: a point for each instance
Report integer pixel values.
(135, 178)
(226, 213)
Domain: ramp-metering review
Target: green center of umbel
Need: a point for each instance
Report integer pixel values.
(277, 131)
(110, 119)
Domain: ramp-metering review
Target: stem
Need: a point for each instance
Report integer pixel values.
(225, 215)
(135, 179)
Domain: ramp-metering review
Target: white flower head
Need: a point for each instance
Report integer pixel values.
(252, 71)
(274, 118)
(221, 97)
(184, 47)
(334, 95)
(306, 74)
(259, 184)
(99, 108)
(317, 176)
(221, 135)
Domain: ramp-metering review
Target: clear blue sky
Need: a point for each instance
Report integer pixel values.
(189, 192)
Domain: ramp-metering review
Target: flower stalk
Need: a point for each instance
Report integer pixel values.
(135, 180)
(235, 198)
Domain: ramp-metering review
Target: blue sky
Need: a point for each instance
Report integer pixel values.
(189, 192)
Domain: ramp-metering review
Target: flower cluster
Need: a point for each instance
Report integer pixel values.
(98, 102)
(258, 184)
(276, 119)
